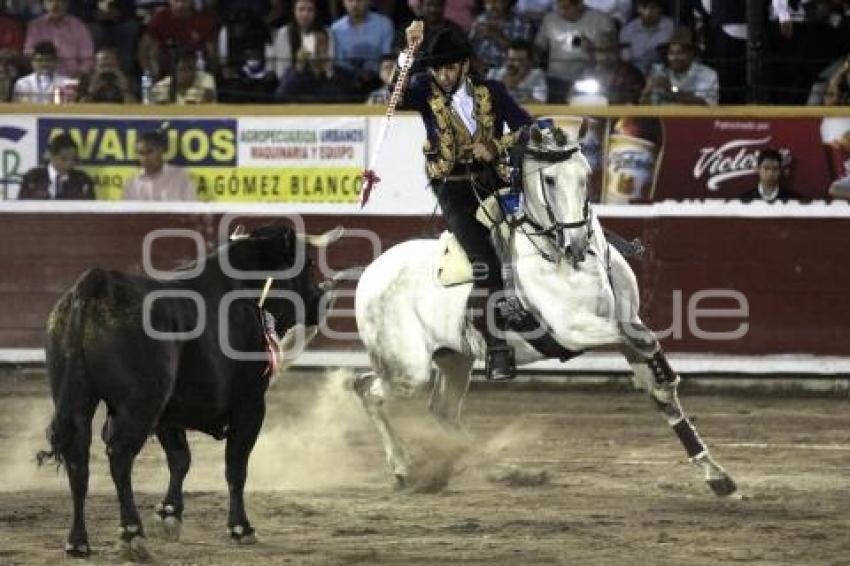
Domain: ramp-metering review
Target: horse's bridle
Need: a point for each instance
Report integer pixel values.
(551, 157)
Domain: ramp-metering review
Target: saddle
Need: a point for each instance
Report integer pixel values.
(453, 266)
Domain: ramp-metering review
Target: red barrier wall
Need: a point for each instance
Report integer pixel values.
(791, 270)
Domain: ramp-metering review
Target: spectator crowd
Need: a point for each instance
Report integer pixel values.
(555, 51)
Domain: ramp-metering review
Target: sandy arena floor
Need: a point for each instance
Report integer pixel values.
(547, 477)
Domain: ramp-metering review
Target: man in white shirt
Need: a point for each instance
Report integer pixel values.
(158, 180)
(684, 81)
(620, 10)
(41, 85)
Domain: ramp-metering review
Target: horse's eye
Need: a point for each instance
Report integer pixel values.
(549, 180)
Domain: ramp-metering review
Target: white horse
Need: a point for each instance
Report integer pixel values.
(578, 286)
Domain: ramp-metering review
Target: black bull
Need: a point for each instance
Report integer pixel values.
(99, 350)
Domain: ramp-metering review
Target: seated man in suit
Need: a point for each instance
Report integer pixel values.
(769, 172)
(58, 179)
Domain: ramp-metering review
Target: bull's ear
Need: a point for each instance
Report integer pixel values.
(323, 240)
(239, 233)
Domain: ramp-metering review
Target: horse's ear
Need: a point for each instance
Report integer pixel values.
(239, 233)
(582, 131)
(560, 137)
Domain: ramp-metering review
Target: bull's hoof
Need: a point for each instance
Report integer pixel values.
(81, 550)
(723, 486)
(134, 550)
(242, 534)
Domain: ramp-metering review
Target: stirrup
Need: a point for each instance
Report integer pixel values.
(499, 363)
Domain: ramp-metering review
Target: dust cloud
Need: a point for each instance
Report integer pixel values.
(24, 434)
(324, 443)
(324, 446)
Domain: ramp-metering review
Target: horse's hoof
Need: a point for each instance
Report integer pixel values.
(400, 482)
(168, 527)
(247, 539)
(134, 550)
(431, 485)
(242, 534)
(81, 550)
(723, 486)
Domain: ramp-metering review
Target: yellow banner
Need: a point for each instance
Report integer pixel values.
(337, 185)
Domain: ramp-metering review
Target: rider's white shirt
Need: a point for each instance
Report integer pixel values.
(463, 104)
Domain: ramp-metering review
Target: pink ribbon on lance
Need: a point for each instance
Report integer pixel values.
(370, 177)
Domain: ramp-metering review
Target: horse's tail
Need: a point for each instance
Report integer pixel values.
(66, 366)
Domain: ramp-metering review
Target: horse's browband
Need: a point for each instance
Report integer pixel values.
(550, 156)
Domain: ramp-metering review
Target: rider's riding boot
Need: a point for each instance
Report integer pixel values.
(499, 362)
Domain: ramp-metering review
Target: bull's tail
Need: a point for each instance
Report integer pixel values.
(43, 457)
(66, 365)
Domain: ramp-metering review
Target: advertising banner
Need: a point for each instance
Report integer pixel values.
(301, 160)
(280, 159)
(17, 152)
(318, 160)
(716, 158)
(643, 159)
(107, 148)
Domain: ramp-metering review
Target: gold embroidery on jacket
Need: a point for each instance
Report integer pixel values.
(454, 142)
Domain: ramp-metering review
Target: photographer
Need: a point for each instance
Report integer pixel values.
(684, 80)
(315, 78)
(107, 83)
(564, 34)
(190, 86)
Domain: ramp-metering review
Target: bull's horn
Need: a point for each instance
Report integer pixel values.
(239, 233)
(293, 343)
(323, 240)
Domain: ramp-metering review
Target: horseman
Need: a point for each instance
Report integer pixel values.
(466, 120)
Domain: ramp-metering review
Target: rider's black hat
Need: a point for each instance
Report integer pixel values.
(447, 46)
